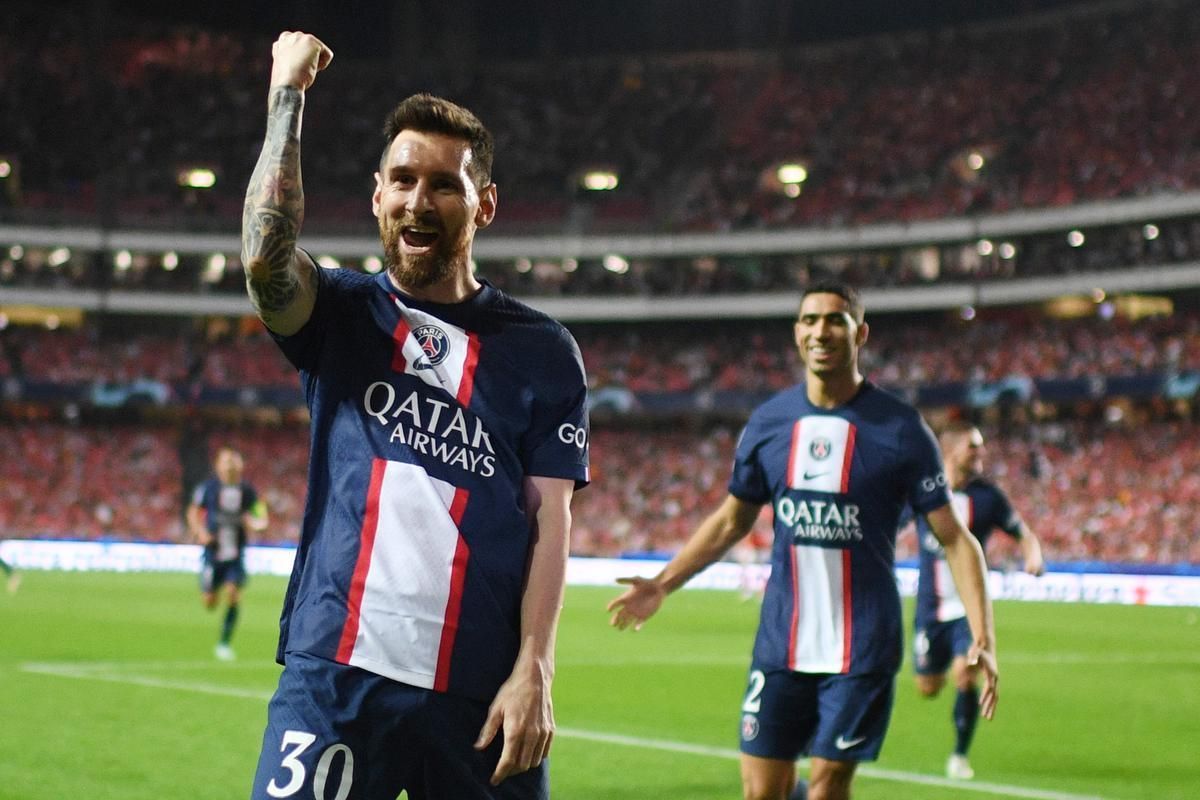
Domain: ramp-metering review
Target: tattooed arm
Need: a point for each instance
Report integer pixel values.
(280, 278)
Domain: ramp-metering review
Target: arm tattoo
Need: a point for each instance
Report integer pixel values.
(275, 208)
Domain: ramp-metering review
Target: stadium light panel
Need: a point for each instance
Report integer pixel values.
(985, 247)
(123, 260)
(792, 190)
(523, 265)
(5, 168)
(616, 264)
(791, 173)
(329, 262)
(16, 252)
(570, 264)
(1150, 232)
(170, 260)
(1007, 250)
(967, 313)
(599, 180)
(975, 161)
(1076, 238)
(197, 178)
(373, 264)
(58, 256)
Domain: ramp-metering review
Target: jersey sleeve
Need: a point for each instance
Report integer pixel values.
(1010, 519)
(748, 481)
(556, 445)
(249, 497)
(303, 347)
(198, 493)
(924, 474)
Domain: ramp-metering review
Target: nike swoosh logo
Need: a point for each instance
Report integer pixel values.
(808, 476)
(842, 743)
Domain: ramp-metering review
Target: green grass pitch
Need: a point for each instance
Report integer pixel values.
(110, 692)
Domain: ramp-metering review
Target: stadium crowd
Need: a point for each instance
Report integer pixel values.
(650, 487)
(906, 352)
(1039, 112)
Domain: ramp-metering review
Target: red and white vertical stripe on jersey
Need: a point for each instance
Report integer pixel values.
(949, 604)
(405, 596)
(821, 454)
(454, 371)
(822, 610)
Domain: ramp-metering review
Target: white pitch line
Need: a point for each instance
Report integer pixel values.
(110, 672)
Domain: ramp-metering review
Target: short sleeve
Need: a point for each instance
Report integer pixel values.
(924, 475)
(556, 445)
(748, 481)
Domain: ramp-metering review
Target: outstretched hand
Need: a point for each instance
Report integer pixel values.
(985, 660)
(639, 602)
(298, 57)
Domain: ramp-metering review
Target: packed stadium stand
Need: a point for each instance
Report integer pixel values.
(1054, 153)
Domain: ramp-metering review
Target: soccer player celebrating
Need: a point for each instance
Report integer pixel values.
(223, 509)
(942, 639)
(449, 431)
(839, 459)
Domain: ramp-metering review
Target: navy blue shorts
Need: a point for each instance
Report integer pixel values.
(336, 732)
(215, 574)
(936, 645)
(788, 714)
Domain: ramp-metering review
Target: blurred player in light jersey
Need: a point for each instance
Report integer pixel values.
(839, 459)
(449, 431)
(223, 510)
(942, 638)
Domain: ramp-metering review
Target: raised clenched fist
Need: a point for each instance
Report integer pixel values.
(298, 57)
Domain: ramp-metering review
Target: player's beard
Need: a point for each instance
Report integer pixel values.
(420, 271)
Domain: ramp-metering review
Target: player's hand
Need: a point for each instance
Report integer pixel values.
(985, 660)
(298, 57)
(1036, 568)
(639, 602)
(522, 708)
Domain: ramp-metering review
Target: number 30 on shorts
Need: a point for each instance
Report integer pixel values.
(299, 741)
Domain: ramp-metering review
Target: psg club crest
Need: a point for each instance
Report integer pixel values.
(749, 727)
(820, 448)
(434, 342)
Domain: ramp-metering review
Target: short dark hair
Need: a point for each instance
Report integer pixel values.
(429, 114)
(842, 290)
(956, 427)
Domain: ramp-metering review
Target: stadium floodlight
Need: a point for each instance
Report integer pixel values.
(123, 260)
(616, 264)
(16, 252)
(599, 180)
(792, 190)
(373, 264)
(1150, 231)
(975, 161)
(570, 264)
(197, 178)
(170, 260)
(791, 173)
(523, 265)
(984, 247)
(967, 313)
(329, 262)
(5, 168)
(58, 256)
(1076, 238)
(52, 322)
(1008, 250)
(1098, 295)
(214, 269)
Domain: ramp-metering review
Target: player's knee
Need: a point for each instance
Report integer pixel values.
(930, 685)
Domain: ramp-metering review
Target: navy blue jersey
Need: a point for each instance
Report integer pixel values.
(838, 480)
(224, 505)
(427, 419)
(984, 508)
